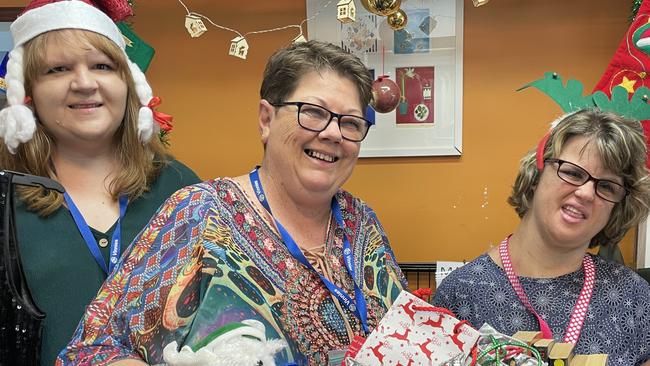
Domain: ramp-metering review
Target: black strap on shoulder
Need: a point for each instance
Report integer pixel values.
(20, 337)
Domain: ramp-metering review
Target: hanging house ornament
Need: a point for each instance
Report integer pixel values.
(478, 3)
(299, 39)
(346, 11)
(238, 47)
(194, 25)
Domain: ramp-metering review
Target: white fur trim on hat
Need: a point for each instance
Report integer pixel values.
(66, 14)
(17, 122)
(146, 125)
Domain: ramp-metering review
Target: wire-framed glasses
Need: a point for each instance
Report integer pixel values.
(577, 176)
(316, 118)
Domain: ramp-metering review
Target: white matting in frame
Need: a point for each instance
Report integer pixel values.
(433, 40)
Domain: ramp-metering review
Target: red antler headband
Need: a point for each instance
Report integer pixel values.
(539, 155)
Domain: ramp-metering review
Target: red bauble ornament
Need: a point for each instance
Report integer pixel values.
(385, 95)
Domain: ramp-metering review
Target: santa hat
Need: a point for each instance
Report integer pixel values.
(17, 122)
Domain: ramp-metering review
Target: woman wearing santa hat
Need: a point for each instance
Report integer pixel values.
(79, 112)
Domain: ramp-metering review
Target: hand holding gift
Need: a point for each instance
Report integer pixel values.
(413, 331)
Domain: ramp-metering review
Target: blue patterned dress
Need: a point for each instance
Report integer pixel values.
(618, 317)
(209, 258)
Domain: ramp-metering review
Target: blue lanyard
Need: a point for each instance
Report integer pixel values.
(89, 238)
(358, 307)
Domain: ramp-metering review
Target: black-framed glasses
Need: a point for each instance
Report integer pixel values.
(577, 176)
(316, 118)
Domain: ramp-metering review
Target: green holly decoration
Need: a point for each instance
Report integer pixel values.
(570, 97)
(164, 138)
(636, 107)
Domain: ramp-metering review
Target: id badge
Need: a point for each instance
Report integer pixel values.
(336, 357)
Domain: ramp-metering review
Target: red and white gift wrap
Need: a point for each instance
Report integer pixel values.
(415, 333)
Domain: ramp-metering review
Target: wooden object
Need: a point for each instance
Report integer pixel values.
(544, 346)
(238, 47)
(345, 11)
(528, 337)
(560, 354)
(589, 360)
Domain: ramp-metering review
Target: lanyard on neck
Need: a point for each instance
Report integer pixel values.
(91, 243)
(572, 333)
(358, 307)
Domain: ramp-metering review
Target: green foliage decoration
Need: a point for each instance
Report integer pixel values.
(569, 97)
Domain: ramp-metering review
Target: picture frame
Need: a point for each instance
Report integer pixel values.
(425, 60)
(7, 15)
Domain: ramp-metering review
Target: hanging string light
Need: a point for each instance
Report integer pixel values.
(478, 3)
(195, 25)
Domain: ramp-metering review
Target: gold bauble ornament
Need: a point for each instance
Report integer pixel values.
(381, 7)
(366, 5)
(384, 7)
(397, 20)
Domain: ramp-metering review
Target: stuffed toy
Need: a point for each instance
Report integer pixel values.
(235, 344)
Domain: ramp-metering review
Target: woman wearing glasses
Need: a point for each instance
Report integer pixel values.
(584, 186)
(283, 245)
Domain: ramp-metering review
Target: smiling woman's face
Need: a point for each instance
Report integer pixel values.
(317, 162)
(78, 93)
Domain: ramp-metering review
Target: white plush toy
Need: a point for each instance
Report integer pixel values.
(235, 344)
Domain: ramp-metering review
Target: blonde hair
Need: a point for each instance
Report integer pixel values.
(140, 163)
(621, 147)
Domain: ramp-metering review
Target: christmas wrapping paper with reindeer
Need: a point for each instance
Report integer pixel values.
(415, 333)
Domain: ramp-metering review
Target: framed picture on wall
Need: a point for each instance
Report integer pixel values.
(7, 15)
(425, 60)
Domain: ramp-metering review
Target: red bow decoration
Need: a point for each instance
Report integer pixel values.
(423, 293)
(164, 120)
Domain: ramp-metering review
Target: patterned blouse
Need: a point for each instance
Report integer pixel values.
(618, 317)
(209, 258)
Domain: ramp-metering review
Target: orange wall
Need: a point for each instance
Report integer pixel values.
(433, 208)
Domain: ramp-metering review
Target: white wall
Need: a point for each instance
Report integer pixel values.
(643, 246)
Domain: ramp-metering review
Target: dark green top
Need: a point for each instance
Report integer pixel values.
(62, 273)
